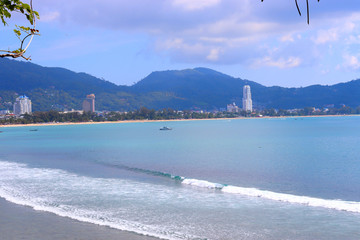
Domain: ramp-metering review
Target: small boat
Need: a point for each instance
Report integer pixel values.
(165, 128)
(33, 130)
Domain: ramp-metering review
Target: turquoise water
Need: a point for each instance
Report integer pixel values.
(293, 178)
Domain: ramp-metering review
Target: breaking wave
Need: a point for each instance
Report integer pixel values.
(349, 206)
(144, 171)
(83, 198)
(65, 194)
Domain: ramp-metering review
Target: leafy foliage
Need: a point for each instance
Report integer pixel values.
(9, 6)
(6, 9)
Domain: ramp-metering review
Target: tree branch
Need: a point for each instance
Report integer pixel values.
(30, 32)
(307, 8)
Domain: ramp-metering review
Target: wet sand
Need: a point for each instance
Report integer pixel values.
(20, 222)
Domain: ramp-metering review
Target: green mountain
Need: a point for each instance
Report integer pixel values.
(207, 89)
(199, 88)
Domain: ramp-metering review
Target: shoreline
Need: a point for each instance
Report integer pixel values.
(23, 222)
(162, 120)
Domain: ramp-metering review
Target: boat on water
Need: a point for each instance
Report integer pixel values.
(33, 130)
(165, 128)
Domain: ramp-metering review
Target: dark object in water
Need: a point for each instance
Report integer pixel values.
(33, 130)
(165, 128)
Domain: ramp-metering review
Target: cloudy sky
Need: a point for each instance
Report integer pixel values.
(267, 42)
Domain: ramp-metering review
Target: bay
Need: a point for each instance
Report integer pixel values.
(282, 178)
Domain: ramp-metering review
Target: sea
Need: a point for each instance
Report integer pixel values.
(269, 178)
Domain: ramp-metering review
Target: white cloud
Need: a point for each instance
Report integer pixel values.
(342, 28)
(213, 55)
(183, 51)
(172, 43)
(290, 62)
(191, 5)
(225, 32)
(287, 38)
(353, 39)
(324, 36)
(352, 62)
(50, 16)
(324, 71)
(236, 26)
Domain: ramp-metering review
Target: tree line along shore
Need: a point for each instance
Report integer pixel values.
(164, 114)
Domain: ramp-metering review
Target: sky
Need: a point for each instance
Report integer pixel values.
(123, 41)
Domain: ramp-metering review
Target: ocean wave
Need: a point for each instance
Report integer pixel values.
(24, 186)
(97, 219)
(144, 171)
(349, 206)
(340, 205)
(202, 183)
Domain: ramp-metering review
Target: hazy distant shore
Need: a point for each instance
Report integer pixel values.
(20, 222)
(163, 120)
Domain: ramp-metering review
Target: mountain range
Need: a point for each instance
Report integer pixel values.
(198, 88)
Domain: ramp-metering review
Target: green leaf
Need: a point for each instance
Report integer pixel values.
(17, 32)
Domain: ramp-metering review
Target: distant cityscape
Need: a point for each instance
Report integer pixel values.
(22, 112)
(23, 105)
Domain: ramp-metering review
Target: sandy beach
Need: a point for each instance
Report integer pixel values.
(21, 222)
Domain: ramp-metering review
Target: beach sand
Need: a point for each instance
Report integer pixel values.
(21, 222)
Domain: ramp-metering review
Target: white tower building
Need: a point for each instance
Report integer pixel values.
(247, 102)
(89, 103)
(22, 105)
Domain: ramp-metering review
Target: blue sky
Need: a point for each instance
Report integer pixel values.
(123, 41)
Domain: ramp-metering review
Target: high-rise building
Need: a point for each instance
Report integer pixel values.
(89, 103)
(22, 105)
(247, 102)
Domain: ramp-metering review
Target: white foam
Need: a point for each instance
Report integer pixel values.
(47, 190)
(25, 186)
(349, 206)
(90, 217)
(202, 183)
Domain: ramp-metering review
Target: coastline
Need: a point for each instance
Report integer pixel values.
(162, 120)
(22, 222)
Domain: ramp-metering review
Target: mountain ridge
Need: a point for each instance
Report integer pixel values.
(197, 88)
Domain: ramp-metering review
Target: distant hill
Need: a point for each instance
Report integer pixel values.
(199, 88)
(208, 89)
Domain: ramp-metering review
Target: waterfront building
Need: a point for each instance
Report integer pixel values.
(89, 103)
(232, 108)
(247, 102)
(4, 112)
(22, 105)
